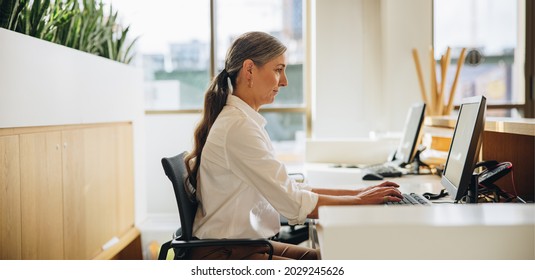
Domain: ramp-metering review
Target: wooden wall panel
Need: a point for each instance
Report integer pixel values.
(520, 151)
(125, 176)
(10, 213)
(66, 191)
(41, 196)
(90, 191)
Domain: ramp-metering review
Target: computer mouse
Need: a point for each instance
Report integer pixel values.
(372, 176)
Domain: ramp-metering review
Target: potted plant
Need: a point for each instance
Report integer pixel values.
(86, 27)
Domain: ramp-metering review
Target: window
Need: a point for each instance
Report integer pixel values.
(174, 50)
(492, 33)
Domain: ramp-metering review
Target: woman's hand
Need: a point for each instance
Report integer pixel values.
(383, 184)
(382, 193)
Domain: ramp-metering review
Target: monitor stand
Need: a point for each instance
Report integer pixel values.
(472, 189)
(417, 163)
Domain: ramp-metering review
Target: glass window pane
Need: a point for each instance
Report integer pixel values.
(173, 49)
(487, 28)
(288, 136)
(280, 18)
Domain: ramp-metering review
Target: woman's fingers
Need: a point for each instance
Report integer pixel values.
(382, 194)
(393, 192)
(389, 198)
(388, 184)
(388, 195)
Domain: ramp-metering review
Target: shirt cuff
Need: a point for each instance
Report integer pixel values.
(308, 203)
(303, 186)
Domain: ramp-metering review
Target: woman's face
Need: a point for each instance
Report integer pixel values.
(268, 79)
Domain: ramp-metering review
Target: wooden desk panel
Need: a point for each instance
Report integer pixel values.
(520, 151)
(505, 139)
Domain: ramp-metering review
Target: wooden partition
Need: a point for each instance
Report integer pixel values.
(75, 196)
(513, 141)
(505, 139)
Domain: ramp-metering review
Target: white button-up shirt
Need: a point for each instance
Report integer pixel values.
(242, 187)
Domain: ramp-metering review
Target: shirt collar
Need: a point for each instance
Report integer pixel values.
(235, 101)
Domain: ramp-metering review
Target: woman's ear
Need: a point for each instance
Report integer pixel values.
(248, 65)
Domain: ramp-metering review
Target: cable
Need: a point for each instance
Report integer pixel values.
(513, 182)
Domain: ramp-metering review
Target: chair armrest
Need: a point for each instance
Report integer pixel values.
(284, 221)
(178, 244)
(298, 177)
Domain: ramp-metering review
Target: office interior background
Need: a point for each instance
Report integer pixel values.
(351, 72)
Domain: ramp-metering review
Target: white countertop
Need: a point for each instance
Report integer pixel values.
(452, 231)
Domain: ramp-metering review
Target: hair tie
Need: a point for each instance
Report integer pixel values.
(223, 78)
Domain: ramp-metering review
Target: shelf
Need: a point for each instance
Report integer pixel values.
(129, 237)
(494, 124)
(513, 126)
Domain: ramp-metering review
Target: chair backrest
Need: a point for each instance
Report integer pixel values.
(175, 169)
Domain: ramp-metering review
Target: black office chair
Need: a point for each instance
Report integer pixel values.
(292, 234)
(183, 239)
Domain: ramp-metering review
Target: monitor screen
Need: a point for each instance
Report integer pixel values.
(464, 148)
(411, 134)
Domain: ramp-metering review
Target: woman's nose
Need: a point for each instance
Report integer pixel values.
(283, 81)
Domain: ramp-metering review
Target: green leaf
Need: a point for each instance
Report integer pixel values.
(87, 25)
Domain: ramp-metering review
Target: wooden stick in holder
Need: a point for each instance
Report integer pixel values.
(444, 64)
(460, 63)
(420, 76)
(433, 82)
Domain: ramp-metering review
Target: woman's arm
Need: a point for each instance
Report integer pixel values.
(382, 193)
(340, 192)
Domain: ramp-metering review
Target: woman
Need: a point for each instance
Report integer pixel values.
(241, 188)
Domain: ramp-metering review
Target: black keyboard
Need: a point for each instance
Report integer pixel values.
(411, 199)
(384, 170)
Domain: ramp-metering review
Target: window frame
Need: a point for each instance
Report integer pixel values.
(305, 108)
(529, 70)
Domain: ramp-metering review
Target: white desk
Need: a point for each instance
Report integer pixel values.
(445, 231)
(325, 176)
(458, 232)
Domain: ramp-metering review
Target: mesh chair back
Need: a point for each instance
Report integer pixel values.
(175, 169)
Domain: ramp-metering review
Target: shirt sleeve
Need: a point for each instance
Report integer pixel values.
(251, 159)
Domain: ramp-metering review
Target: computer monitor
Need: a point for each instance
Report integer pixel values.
(411, 134)
(464, 148)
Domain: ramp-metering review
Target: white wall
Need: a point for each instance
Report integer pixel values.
(47, 84)
(365, 79)
(343, 97)
(406, 25)
(167, 135)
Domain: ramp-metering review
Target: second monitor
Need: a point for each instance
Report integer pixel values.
(407, 150)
